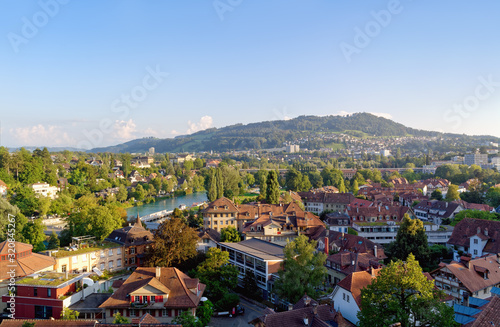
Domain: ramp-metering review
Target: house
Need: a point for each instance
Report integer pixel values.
(475, 206)
(135, 240)
(306, 312)
(45, 190)
(62, 183)
(338, 221)
(213, 163)
(435, 211)
(136, 177)
(317, 202)
(208, 238)
(181, 158)
(433, 184)
(20, 263)
(43, 295)
(341, 264)
(219, 214)
(281, 223)
(162, 292)
(468, 278)
(346, 295)
(145, 321)
(3, 188)
(349, 173)
(258, 257)
(476, 237)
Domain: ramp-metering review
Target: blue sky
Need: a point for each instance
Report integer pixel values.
(95, 73)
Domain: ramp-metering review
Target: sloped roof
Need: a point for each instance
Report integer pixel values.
(220, 205)
(468, 227)
(489, 315)
(356, 281)
(293, 318)
(171, 279)
(135, 234)
(362, 261)
(27, 265)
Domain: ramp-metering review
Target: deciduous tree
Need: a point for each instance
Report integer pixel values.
(452, 193)
(402, 293)
(175, 243)
(303, 270)
(230, 234)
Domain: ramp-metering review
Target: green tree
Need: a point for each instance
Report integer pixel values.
(261, 180)
(230, 234)
(11, 214)
(493, 197)
(33, 233)
(355, 187)
(303, 270)
(204, 313)
(219, 182)
(476, 214)
(212, 185)
(452, 193)
(437, 195)
(293, 179)
(26, 200)
(216, 272)
(402, 293)
(342, 188)
(53, 241)
(68, 314)
(411, 238)
(186, 319)
(175, 242)
(119, 319)
(28, 324)
(95, 220)
(122, 193)
(273, 188)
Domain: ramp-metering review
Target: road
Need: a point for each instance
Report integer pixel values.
(251, 312)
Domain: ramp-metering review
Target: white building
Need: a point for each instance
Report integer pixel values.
(45, 190)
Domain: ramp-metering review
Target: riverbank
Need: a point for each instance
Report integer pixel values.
(167, 203)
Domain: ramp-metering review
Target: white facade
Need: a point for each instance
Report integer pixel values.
(344, 302)
(45, 190)
(314, 207)
(476, 246)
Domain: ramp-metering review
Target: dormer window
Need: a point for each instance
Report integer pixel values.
(215, 207)
(225, 207)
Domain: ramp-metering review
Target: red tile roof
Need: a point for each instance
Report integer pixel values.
(26, 265)
(469, 227)
(357, 281)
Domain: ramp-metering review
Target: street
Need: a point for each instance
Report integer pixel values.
(251, 312)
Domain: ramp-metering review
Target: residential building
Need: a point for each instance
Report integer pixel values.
(435, 211)
(208, 238)
(220, 213)
(338, 221)
(306, 312)
(476, 159)
(45, 190)
(476, 237)
(496, 162)
(468, 278)
(257, 257)
(162, 292)
(292, 148)
(85, 257)
(180, 158)
(135, 240)
(341, 264)
(475, 206)
(213, 163)
(349, 173)
(484, 313)
(321, 201)
(3, 188)
(20, 263)
(281, 223)
(43, 295)
(346, 295)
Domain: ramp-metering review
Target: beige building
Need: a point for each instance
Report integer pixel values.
(45, 190)
(108, 257)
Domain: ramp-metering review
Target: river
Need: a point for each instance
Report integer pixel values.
(167, 204)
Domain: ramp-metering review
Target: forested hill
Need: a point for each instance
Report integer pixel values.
(270, 134)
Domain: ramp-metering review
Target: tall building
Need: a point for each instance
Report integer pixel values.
(151, 151)
(476, 159)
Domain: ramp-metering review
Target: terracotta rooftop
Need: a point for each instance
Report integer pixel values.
(171, 281)
(469, 227)
(356, 281)
(489, 315)
(134, 234)
(26, 261)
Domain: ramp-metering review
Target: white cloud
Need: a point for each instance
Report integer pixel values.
(40, 135)
(204, 123)
(124, 130)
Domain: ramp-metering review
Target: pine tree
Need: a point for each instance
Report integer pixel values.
(411, 238)
(273, 188)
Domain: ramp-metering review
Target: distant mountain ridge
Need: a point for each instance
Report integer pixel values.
(271, 134)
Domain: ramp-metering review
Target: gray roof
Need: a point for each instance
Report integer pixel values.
(258, 248)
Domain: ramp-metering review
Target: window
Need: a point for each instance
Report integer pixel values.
(102, 266)
(132, 250)
(119, 262)
(110, 265)
(119, 251)
(164, 312)
(137, 298)
(475, 241)
(110, 252)
(75, 259)
(102, 254)
(63, 268)
(49, 292)
(144, 298)
(84, 257)
(43, 312)
(475, 252)
(152, 298)
(35, 291)
(132, 312)
(132, 261)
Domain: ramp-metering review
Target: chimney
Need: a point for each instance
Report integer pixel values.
(479, 230)
(446, 204)
(327, 245)
(307, 300)
(486, 231)
(306, 321)
(315, 308)
(375, 251)
(290, 307)
(66, 274)
(158, 272)
(372, 273)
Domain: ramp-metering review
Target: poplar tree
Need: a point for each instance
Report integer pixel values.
(273, 188)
